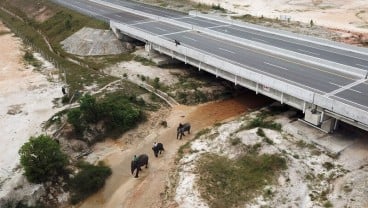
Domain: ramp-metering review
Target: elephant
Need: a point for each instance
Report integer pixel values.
(137, 162)
(158, 148)
(181, 129)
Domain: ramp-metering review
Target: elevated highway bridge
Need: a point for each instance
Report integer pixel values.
(324, 79)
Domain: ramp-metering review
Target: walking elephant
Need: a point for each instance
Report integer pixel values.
(158, 148)
(181, 129)
(137, 163)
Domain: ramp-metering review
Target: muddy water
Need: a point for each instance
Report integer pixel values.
(122, 190)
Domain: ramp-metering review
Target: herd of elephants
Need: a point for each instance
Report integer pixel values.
(158, 148)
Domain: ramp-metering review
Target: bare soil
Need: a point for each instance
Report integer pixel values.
(121, 189)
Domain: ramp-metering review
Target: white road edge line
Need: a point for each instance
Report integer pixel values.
(173, 33)
(223, 49)
(317, 54)
(280, 67)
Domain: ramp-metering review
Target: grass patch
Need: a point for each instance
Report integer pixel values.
(202, 132)
(182, 150)
(144, 61)
(30, 59)
(229, 183)
(262, 122)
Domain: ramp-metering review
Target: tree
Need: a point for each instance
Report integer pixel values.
(42, 159)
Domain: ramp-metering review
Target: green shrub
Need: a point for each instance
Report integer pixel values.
(42, 159)
(74, 118)
(118, 112)
(88, 181)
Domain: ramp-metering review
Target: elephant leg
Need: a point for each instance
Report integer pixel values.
(136, 174)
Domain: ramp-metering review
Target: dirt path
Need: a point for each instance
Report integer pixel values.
(122, 190)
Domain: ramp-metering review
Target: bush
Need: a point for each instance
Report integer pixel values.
(88, 181)
(74, 118)
(42, 159)
(116, 111)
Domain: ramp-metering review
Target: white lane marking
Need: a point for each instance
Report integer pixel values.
(355, 91)
(337, 85)
(227, 50)
(259, 40)
(218, 26)
(186, 37)
(280, 67)
(362, 65)
(317, 54)
(161, 29)
(143, 22)
(296, 43)
(184, 31)
(116, 15)
(345, 89)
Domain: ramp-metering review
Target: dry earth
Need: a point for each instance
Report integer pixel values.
(26, 99)
(338, 14)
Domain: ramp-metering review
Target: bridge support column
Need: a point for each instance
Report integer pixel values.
(329, 124)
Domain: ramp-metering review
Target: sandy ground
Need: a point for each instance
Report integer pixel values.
(26, 99)
(349, 15)
(122, 190)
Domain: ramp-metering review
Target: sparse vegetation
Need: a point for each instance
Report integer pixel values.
(262, 122)
(218, 7)
(221, 177)
(235, 141)
(144, 61)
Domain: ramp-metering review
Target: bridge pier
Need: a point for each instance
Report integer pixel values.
(321, 120)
